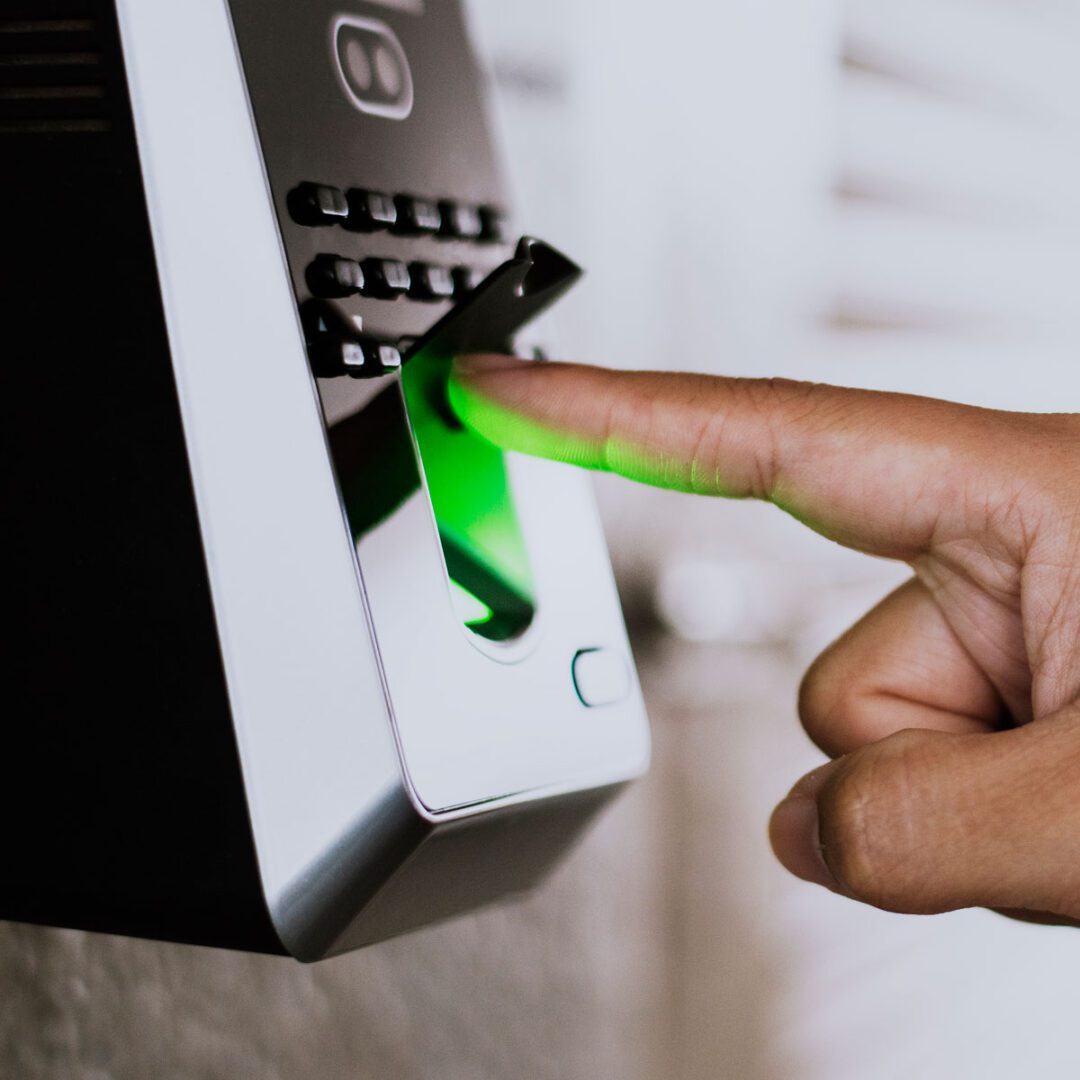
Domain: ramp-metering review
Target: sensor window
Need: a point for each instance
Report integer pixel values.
(371, 66)
(491, 582)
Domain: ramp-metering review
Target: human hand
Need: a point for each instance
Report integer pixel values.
(951, 711)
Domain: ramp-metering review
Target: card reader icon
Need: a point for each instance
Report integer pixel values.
(371, 66)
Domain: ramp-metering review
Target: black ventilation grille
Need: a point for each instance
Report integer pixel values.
(52, 76)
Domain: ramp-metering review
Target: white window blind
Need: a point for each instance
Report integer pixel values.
(955, 241)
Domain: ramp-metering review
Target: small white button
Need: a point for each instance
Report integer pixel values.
(352, 356)
(389, 357)
(601, 677)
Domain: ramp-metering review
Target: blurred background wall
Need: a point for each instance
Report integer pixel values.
(868, 192)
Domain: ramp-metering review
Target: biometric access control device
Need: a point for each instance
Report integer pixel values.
(296, 662)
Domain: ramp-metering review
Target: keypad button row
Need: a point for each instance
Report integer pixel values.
(338, 346)
(362, 210)
(336, 277)
(357, 356)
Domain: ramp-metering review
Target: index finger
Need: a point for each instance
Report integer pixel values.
(871, 470)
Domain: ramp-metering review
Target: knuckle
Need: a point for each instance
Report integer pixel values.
(870, 814)
(770, 403)
(786, 412)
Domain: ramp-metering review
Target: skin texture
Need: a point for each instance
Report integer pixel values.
(950, 713)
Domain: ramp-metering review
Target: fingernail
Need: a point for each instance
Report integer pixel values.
(483, 363)
(794, 834)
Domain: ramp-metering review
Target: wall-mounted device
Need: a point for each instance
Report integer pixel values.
(295, 661)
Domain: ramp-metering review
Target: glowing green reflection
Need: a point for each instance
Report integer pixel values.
(471, 610)
(474, 508)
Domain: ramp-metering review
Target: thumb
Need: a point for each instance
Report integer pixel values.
(924, 822)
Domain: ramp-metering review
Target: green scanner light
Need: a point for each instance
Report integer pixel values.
(491, 582)
(471, 609)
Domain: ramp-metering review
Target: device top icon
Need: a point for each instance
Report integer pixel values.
(371, 66)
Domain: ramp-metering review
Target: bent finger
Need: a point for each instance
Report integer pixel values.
(901, 666)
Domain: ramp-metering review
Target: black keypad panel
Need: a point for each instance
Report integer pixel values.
(493, 224)
(335, 277)
(461, 221)
(370, 211)
(384, 258)
(417, 216)
(385, 279)
(431, 282)
(354, 355)
(318, 204)
(362, 210)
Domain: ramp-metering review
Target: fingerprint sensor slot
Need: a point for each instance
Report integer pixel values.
(486, 554)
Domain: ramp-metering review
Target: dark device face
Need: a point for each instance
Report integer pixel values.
(374, 135)
(300, 61)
